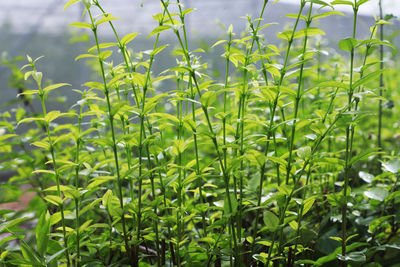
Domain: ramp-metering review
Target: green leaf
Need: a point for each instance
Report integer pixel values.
(271, 221)
(187, 11)
(159, 49)
(54, 86)
(9, 224)
(326, 14)
(70, 2)
(81, 25)
(56, 200)
(129, 37)
(377, 193)
(309, 32)
(99, 180)
(30, 255)
(307, 204)
(227, 208)
(286, 35)
(365, 154)
(342, 2)
(347, 44)
(29, 92)
(41, 144)
(105, 54)
(26, 120)
(370, 77)
(102, 45)
(158, 30)
(52, 115)
(85, 56)
(332, 84)
(208, 98)
(361, 2)
(42, 232)
(106, 18)
(218, 43)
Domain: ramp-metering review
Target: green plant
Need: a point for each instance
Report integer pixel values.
(270, 165)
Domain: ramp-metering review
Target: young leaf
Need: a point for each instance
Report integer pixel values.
(347, 44)
(81, 25)
(129, 37)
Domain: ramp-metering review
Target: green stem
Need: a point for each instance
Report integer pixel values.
(271, 124)
(211, 130)
(114, 144)
(55, 167)
(349, 141)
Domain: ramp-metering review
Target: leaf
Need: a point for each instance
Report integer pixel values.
(102, 45)
(208, 98)
(373, 42)
(392, 166)
(367, 78)
(366, 177)
(105, 54)
(42, 232)
(304, 152)
(56, 200)
(376, 193)
(54, 86)
(361, 2)
(99, 180)
(307, 204)
(159, 49)
(320, 2)
(129, 37)
(332, 84)
(364, 154)
(309, 32)
(347, 44)
(356, 256)
(227, 207)
(106, 18)
(52, 115)
(187, 11)
(158, 30)
(9, 224)
(342, 2)
(277, 160)
(70, 2)
(85, 56)
(81, 25)
(41, 144)
(286, 35)
(29, 92)
(271, 221)
(218, 43)
(326, 14)
(30, 255)
(44, 171)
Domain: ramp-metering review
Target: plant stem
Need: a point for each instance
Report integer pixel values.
(381, 82)
(114, 144)
(211, 130)
(271, 123)
(55, 167)
(349, 141)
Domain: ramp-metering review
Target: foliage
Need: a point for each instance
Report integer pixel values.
(291, 158)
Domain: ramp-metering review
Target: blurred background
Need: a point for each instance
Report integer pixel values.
(40, 27)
